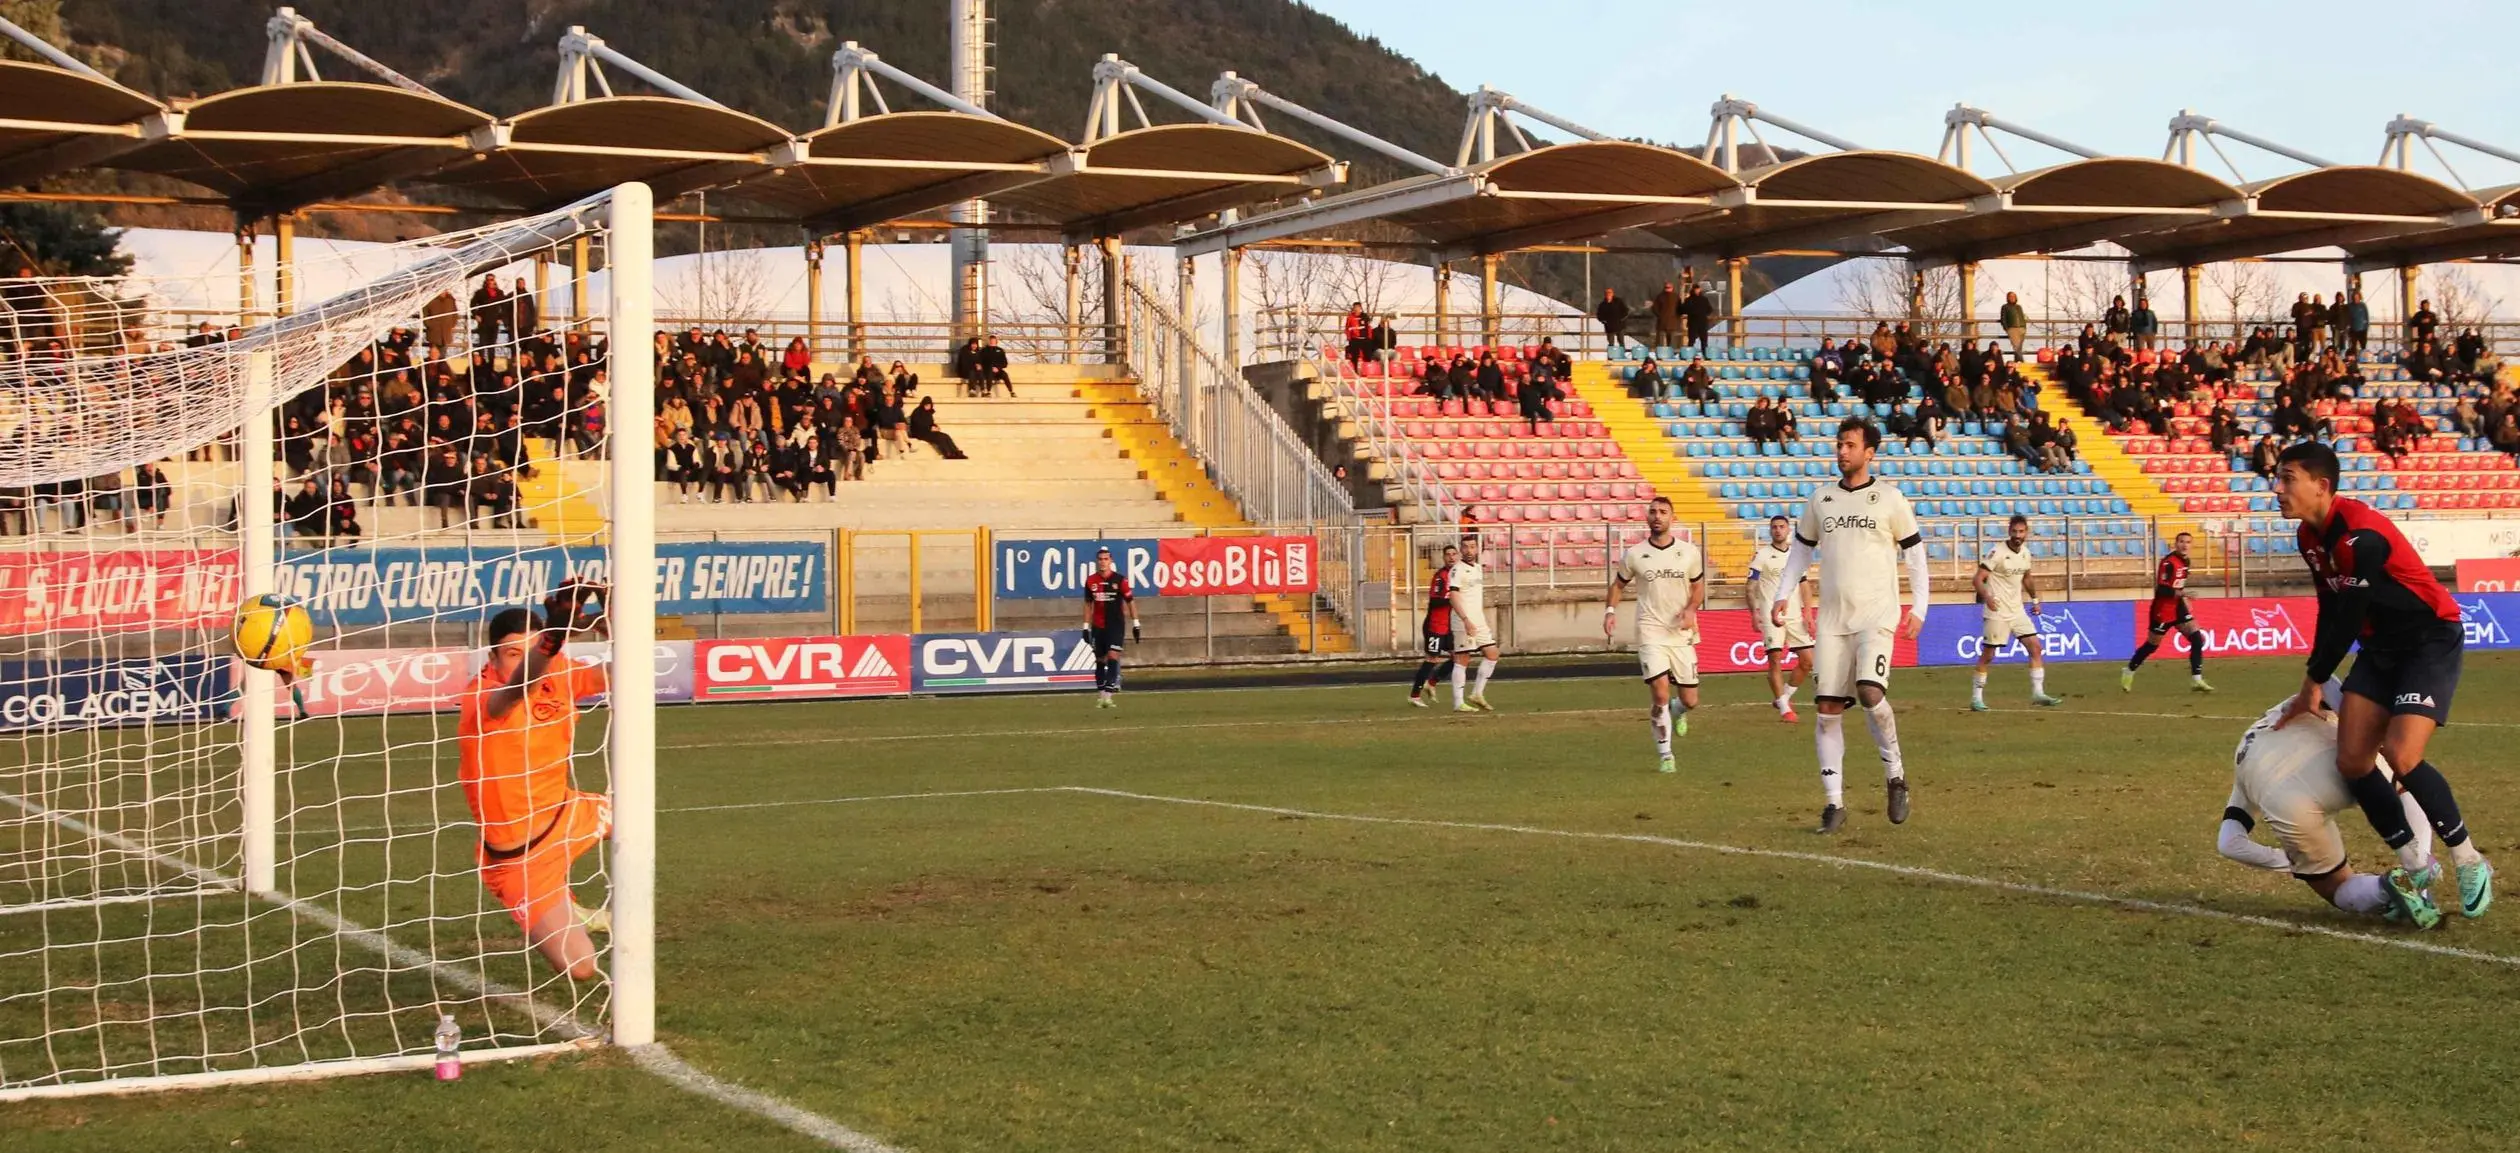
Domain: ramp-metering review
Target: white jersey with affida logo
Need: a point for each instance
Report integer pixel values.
(1857, 535)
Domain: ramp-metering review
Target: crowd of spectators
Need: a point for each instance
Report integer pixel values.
(1540, 381)
(1680, 316)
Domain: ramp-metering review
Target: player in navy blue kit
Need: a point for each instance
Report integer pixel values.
(2377, 595)
(1108, 603)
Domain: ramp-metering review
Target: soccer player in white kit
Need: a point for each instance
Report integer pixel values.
(2287, 777)
(1859, 530)
(2004, 586)
(1767, 572)
(1471, 631)
(1670, 578)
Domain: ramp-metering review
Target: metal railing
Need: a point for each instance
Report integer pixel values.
(1295, 332)
(1380, 429)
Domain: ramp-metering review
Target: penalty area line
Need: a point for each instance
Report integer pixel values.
(1913, 872)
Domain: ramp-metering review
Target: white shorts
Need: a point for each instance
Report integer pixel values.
(1792, 636)
(1467, 640)
(2308, 835)
(1841, 660)
(1675, 659)
(2000, 630)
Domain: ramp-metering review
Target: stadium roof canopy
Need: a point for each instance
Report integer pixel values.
(280, 147)
(275, 148)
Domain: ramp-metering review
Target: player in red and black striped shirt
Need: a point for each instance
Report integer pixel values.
(2170, 611)
(1435, 636)
(2377, 595)
(1109, 604)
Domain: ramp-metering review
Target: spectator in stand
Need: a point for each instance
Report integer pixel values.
(759, 463)
(2263, 454)
(725, 462)
(524, 312)
(2357, 324)
(791, 466)
(1612, 312)
(1904, 425)
(2423, 327)
(2016, 438)
(1550, 354)
(906, 382)
(105, 500)
(14, 505)
(1667, 330)
(1697, 384)
(892, 425)
(2465, 418)
(1825, 369)
(679, 463)
(2223, 429)
(307, 510)
(966, 368)
(1761, 425)
(2070, 443)
(400, 458)
(2307, 320)
(2507, 432)
(1699, 311)
(2468, 353)
(848, 460)
(993, 365)
(2044, 438)
(2015, 321)
(153, 495)
(442, 484)
(1359, 333)
(1537, 391)
(1460, 380)
(1648, 381)
(923, 428)
(489, 491)
(2117, 323)
(1490, 378)
(1386, 343)
(2142, 324)
(798, 360)
(489, 309)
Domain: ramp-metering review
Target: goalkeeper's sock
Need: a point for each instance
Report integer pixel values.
(1830, 730)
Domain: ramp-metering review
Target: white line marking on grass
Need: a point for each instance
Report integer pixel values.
(663, 1063)
(1122, 730)
(1915, 872)
(2070, 711)
(857, 800)
(653, 1058)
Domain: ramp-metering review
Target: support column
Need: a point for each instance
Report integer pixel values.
(1443, 302)
(542, 287)
(813, 296)
(2190, 277)
(1185, 381)
(580, 256)
(2407, 277)
(1732, 299)
(245, 295)
(1115, 326)
(1231, 262)
(284, 229)
(1491, 322)
(1968, 302)
(1074, 258)
(855, 244)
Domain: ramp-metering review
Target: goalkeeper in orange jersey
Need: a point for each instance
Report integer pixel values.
(515, 735)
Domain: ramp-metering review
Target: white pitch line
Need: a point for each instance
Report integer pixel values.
(653, 1058)
(863, 799)
(2137, 904)
(659, 1060)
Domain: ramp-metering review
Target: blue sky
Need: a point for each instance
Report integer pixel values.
(2319, 75)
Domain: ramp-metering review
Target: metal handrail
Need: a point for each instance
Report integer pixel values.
(1373, 416)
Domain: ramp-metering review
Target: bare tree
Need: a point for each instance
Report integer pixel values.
(2244, 292)
(1287, 287)
(721, 287)
(2458, 297)
(2080, 290)
(1884, 288)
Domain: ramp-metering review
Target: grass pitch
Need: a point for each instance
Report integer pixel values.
(1018, 923)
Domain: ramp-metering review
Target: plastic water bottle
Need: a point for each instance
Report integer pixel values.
(450, 1037)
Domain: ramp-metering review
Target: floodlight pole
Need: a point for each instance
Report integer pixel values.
(582, 59)
(967, 56)
(37, 45)
(1732, 116)
(290, 36)
(1242, 99)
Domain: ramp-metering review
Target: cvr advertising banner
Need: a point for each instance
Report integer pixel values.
(1002, 662)
(2076, 631)
(88, 693)
(1167, 566)
(796, 668)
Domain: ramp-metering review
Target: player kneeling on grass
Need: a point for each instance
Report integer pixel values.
(1670, 579)
(516, 731)
(2004, 587)
(2286, 776)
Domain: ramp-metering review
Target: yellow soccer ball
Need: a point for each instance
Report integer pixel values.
(272, 632)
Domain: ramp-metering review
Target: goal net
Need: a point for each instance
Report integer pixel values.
(207, 874)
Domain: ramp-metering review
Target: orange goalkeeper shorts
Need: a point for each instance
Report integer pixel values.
(533, 881)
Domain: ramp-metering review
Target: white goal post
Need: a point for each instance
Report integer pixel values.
(208, 876)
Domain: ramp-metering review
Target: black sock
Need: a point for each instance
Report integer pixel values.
(2379, 802)
(1102, 674)
(2196, 656)
(1417, 684)
(2143, 652)
(2432, 790)
(1115, 674)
